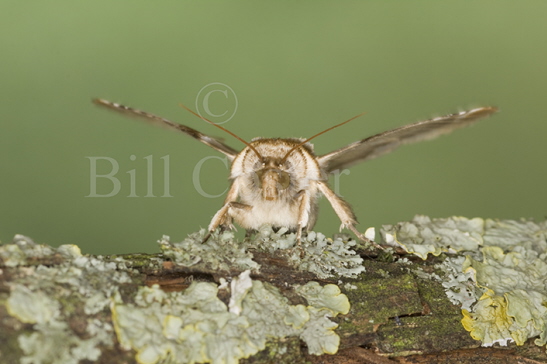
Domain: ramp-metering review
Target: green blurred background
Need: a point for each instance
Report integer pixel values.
(296, 68)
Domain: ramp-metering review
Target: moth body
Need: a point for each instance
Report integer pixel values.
(271, 190)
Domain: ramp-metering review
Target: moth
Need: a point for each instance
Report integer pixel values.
(278, 181)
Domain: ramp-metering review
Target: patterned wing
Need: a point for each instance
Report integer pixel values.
(157, 120)
(388, 141)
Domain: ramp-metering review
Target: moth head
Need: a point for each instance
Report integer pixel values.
(272, 175)
(272, 178)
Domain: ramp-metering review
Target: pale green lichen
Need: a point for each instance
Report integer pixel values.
(319, 333)
(195, 326)
(316, 253)
(328, 296)
(220, 252)
(54, 342)
(297, 316)
(508, 233)
(499, 280)
(23, 249)
(31, 307)
(190, 326)
(461, 287)
(45, 295)
(423, 236)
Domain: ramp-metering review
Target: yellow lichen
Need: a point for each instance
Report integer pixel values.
(504, 259)
(512, 307)
(489, 321)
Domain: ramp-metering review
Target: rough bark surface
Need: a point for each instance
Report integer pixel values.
(395, 316)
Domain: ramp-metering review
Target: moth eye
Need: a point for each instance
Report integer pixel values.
(284, 179)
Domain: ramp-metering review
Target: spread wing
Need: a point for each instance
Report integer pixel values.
(388, 141)
(157, 120)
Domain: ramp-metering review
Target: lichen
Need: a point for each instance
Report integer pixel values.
(45, 296)
(31, 307)
(220, 252)
(23, 249)
(515, 296)
(461, 287)
(239, 288)
(325, 257)
(489, 322)
(54, 342)
(196, 326)
(499, 279)
(319, 333)
(189, 326)
(328, 296)
(423, 236)
(316, 253)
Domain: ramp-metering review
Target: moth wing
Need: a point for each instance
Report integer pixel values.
(158, 120)
(388, 141)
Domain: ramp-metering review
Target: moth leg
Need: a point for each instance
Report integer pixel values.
(303, 213)
(344, 212)
(223, 217)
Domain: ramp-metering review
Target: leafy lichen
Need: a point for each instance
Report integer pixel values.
(513, 306)
(316, 253)
(423, 236)
(499, 279)
(221, 252)
(189, 326)
(23, 250)
(45, 296)
(196, 326)
(328, 296)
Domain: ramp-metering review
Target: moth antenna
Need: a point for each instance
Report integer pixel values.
(316, 135)
(221, 128)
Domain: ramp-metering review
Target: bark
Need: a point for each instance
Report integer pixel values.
(395, 316)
